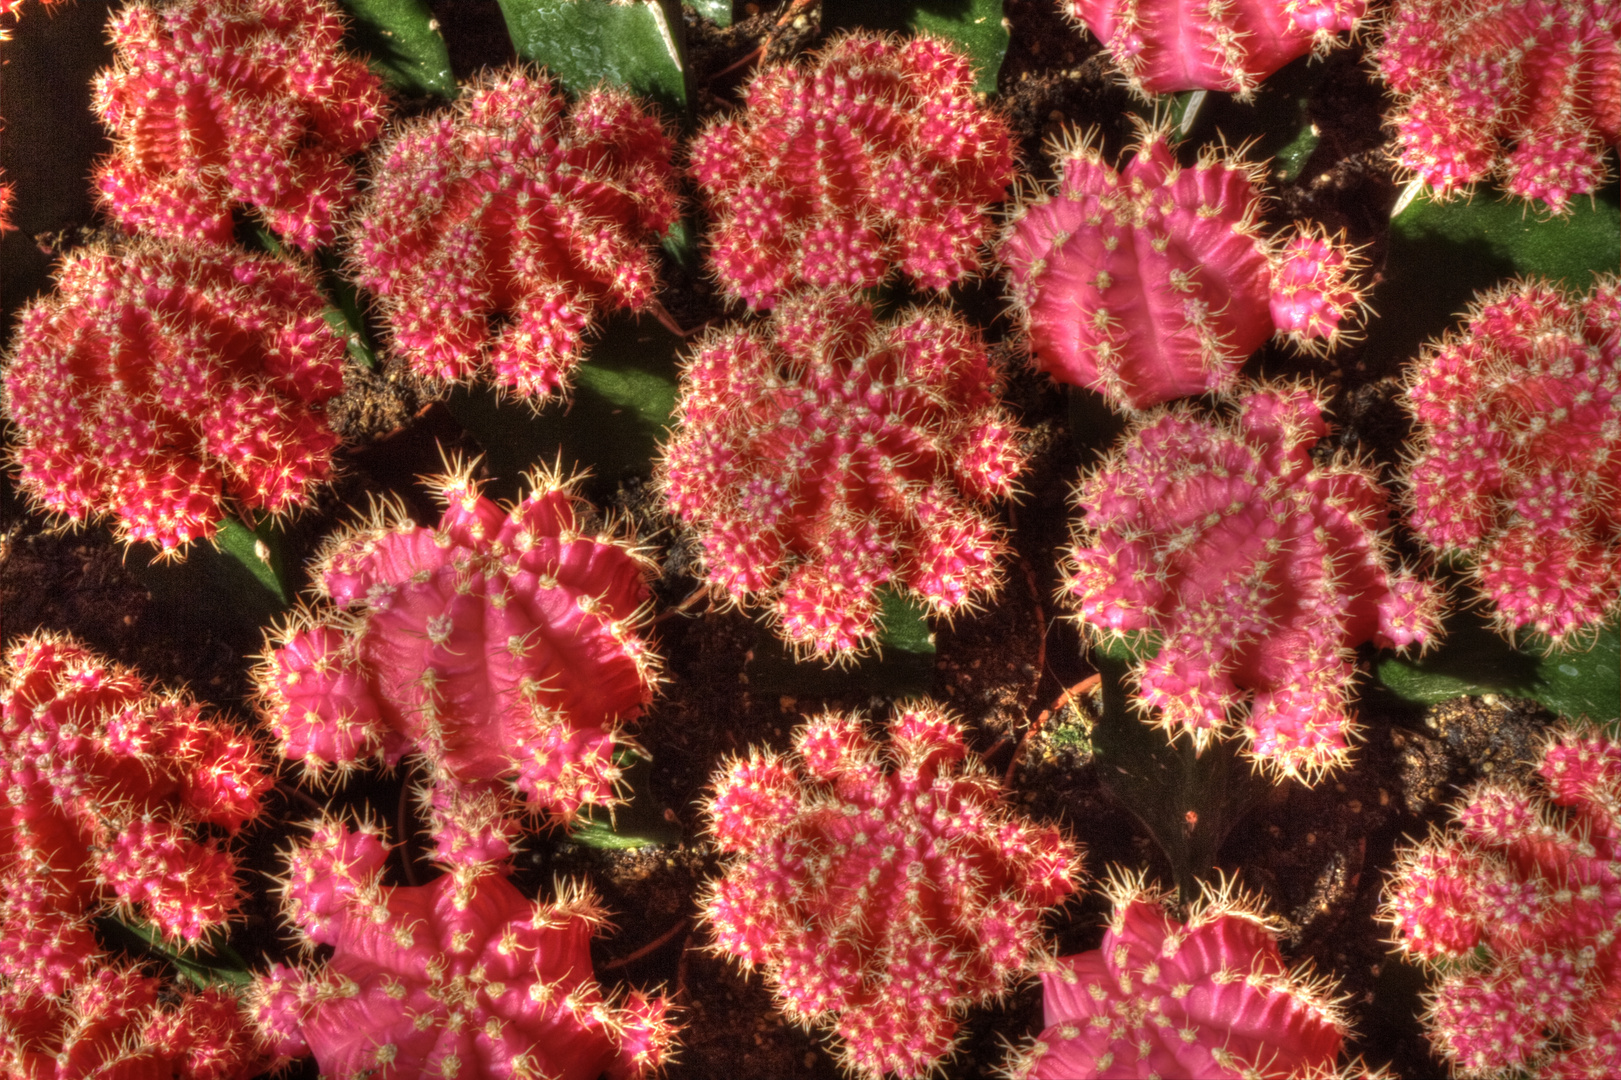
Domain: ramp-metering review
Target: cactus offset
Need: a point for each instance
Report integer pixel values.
(514, 209)
(830, 457)
(1525, 92)
(883, 889)
(873, 155)
(158, 382)
(1153, 282)
(218, 103)
(1208, 997)
(1516, 904)
(1163, 46)
(107, 789)
(501, 645)
(1518, 466)
(460, 977)
(1259, 570)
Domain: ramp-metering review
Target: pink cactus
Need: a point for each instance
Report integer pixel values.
(883, 889)
(217, 103)
(1163, 46)
(1258, 570)
(500, 646)
(108, 789)
(1516, 905)
(1153, 282)
(1518, 467)
(1527, 92)
(513, 209)
(461, 977)
(157, 382)
(826, 457)
(1210, 997)
(119, 1024)
(874, 155)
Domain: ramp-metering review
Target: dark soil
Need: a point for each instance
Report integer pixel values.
(1317, 856)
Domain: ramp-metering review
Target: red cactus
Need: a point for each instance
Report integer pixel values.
(873, 155)
(511, 206)
(215, 103)
(106, 788)
(839, 456)
(1164, 46)
(1518, 467)
(1209, 997)
(158, 381)
(1524, 91)
(461, 977)
(500, 645)
(883, 890)
(1259, 571)
(1153, 283)
(1517, 904)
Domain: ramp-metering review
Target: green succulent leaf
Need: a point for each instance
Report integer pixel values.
(718, 12)
(975, 26)
(1276, 124)
(405, 45)
(1474, 659)
(640, 45)
(639, 822)
(259, 551)
(211, 962)
(902, 667)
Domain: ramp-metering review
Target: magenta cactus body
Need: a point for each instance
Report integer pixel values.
(158, 382)
(462, 977)
(1516, 903)
(1153, 282)
(1518, 467)
(514, 207)
(1258, 570)
(500, 645)
(873, 155)
(1525, 92)
(826, 456)
(883, 889)
(1166, 46)
(107, 789)
(216, 103)
(1209, 997)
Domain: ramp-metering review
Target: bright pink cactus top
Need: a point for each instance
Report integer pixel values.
(159, 382)
(875, 154)
(1154, 282)
(1258, 570)
(216, 103)
(1518, 467)
(884, 889)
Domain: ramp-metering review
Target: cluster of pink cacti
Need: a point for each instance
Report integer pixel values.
(833, 456)
(1523, 91)
(883, 887)
(219, 103)
(1516, 904)
(874, 157)
(1207, 996)
(1154, 282)
(1162, 46)
(464, 976)
(517, 206)
(1518, 466)
(501, 646)
(1258, 569)
(160, 381)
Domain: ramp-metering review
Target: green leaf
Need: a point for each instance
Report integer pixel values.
(1187, 802)
(640, 45)
(1440, 254)
(718, 12)
(406, 48)
(259, 552)
(345, 316)
(211, 962)
(1474, 659)
(639, 822)
(623, 396)
(1276, 122)
(906, 625)
(902, 667)
(975, 26)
